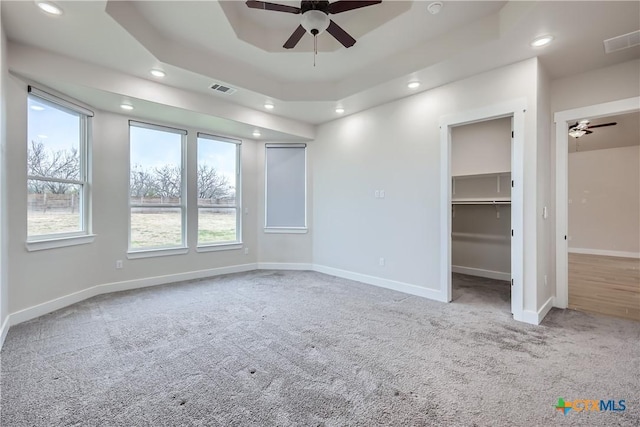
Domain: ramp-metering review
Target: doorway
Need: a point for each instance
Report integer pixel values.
(603, 210)
(481, 213)
(512, 111)
(563, 120)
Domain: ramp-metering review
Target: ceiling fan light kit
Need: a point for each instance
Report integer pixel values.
(315, 18)
(315, 22)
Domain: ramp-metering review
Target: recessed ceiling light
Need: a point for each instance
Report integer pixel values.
(126, 107)
(256, 133)
(157, 73)
(339, 110)
(413, 85)
(269, 106)
(50, 8)
(435, 7)
(542, 41)
(37, 108)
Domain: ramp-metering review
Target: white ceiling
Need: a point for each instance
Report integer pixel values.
(202, 42)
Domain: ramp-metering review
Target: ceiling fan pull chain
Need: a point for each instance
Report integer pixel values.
(315, 48)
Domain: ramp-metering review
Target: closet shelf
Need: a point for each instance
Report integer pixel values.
(481, 201)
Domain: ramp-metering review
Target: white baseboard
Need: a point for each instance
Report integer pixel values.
(535, 317)
(284, 266)
(384, 283)
(4, 330)
(490, 274)
(58, 303)
(603, 252)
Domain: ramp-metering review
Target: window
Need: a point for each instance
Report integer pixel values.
(156, 187)
(57, 173)
(218, 190)
(286, 184)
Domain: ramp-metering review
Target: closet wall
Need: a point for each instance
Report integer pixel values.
(481, 212)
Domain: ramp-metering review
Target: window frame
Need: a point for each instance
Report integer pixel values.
(237, 243)
(84, 235)
(285, 229)
(183, 248)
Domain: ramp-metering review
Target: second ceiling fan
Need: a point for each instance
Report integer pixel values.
(315, 18)
(582, 127)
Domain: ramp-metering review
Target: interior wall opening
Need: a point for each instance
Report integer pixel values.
(481, 164)
(565, 121)
(603, 215)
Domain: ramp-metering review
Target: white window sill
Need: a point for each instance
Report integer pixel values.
(59, 242)
(286, 230)
(152, 253)
(214, 247)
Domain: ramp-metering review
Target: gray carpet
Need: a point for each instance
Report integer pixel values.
(301, 348)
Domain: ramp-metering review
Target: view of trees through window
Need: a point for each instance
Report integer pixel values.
(156, 181)
(217, 181)
(157, 188)
(56, 139)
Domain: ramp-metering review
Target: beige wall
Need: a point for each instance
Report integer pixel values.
(595, 87)
(545, 256)
(604, 200)
(4, 283)
(483, 147)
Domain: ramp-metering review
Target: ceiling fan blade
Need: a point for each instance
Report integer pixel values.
(588, 132)
(295, 37)
(253, 4)
(341, 35)
(603, 125)
(346, 5)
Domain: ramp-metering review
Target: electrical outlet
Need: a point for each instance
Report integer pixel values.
(382, 194)
(246, 251)
(376, 194)
(381, 261)
(119, 264)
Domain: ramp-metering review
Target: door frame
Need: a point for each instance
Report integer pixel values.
(516, 109)
(562, 119)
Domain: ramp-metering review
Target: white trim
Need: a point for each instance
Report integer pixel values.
(604, 252)
(515, 108)
(490, 274)
(4, 330)
(561, 120)
(152, 253)
(535, 318)
(286, 230)
(64, 301)
(406, 288)
(285, 266)
(61, 242)
(214, 247)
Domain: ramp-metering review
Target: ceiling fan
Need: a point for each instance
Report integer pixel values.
(582, 127)
(315, 18)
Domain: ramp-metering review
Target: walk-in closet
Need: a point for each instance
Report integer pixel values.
(481, 214)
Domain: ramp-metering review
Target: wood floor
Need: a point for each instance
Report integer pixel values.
(605, 285)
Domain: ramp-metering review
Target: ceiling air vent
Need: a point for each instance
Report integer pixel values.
(622, 42)
(223, 89)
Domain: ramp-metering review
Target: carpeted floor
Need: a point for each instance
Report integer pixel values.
(272, 348)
